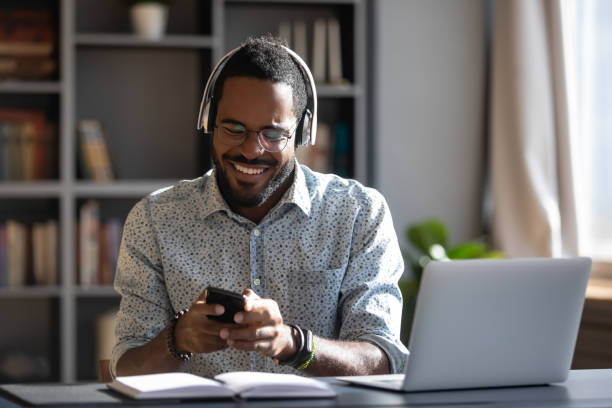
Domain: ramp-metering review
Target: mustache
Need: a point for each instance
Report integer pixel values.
(253, 162)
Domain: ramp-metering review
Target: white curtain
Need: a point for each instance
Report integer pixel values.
(532, 177)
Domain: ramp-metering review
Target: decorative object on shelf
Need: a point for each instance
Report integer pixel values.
(149, 18)
(429, 239)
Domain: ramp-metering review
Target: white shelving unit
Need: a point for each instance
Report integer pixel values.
(102, 51)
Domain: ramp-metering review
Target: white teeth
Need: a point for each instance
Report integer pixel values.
(247, 170)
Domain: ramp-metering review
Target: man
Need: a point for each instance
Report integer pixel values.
(312, 253)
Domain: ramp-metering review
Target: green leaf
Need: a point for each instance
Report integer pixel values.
(426, 234)
(468, 250)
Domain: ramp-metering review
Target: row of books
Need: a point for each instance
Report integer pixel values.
(325, 43)
(28, 145)
(28, 253)
(332, 151)
(28, 41)
(98, 246)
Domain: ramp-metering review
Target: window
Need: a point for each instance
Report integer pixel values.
(589, 61)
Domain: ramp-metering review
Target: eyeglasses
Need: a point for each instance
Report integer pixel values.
(270, 139)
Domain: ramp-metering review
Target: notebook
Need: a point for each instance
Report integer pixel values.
(244, 384)
(492, 323)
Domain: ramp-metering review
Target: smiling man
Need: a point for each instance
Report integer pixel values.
(315, 255)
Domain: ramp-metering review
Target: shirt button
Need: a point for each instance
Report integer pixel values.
(256, 282)
(256, 232)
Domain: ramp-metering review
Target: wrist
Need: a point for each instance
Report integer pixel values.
(292, 344)
(175, 349)
(305, 350)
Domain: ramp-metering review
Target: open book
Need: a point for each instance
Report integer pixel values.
(244, 384)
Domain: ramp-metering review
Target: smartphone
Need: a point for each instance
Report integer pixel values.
(232, 302)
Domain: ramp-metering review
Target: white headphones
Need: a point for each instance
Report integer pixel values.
(307, 126)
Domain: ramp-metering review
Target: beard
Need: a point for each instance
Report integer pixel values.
(238, 198)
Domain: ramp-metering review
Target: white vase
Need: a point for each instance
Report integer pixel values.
(149, 20)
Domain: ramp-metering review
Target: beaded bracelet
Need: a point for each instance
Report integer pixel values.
(179, 355)
(310, 357)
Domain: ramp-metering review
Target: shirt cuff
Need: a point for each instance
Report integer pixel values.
(396, 352)
(120, 349)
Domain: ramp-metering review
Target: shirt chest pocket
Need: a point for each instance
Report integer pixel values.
(314, 299)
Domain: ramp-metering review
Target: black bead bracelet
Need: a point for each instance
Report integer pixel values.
(179, 355)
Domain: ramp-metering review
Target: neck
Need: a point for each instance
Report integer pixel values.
(256, 214)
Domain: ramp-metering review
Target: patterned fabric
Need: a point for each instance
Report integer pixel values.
(327, 253)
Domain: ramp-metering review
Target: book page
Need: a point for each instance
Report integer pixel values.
(170, 385)
(248, 384)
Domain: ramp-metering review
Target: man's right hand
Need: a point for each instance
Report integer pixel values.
(196, 333)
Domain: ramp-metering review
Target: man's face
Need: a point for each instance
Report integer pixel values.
(248, 175)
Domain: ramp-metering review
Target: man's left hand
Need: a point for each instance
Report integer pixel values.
(265, 333)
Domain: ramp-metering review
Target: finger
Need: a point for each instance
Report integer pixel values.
(263, 347)
(249, 333)
(263, 311)
(249, 296)
(207, 309)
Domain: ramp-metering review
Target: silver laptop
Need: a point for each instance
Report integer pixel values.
(492, 323)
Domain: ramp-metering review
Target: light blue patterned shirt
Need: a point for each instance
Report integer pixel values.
(327, 253)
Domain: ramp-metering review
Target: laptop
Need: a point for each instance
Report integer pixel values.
(492, 323)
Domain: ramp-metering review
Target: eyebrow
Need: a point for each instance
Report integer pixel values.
(237, 122)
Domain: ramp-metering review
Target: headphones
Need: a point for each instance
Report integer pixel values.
(307, 125)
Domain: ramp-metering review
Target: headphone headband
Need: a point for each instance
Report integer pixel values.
(308, 121)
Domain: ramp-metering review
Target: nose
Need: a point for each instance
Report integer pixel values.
(251, 148)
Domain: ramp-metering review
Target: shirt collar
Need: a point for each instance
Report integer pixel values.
(212, 200)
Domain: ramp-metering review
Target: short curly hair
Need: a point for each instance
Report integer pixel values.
(265, 58)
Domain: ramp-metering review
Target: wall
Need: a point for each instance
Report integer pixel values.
(428, 90)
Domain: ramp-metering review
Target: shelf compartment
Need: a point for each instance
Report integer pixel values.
(129, 40)
(147, 118)
(95, 333)
(191, 17)
(30, 352)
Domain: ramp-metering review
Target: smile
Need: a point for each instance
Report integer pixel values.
(248, 170)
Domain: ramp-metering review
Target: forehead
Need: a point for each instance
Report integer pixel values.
(256, 102)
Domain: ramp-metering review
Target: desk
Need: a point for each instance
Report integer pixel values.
(584, 388)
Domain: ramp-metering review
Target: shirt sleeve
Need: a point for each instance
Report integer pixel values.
(370, 299)
(145, 307)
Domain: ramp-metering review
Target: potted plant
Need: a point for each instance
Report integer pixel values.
(429, 240)
(149, 18)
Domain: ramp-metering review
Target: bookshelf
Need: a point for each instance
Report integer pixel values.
(146, 95)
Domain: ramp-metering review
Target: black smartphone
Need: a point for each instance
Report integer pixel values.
(232, 302)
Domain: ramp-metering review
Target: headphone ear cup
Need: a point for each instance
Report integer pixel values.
(302, 134)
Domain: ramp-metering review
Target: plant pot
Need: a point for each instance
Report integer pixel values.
(149, 20)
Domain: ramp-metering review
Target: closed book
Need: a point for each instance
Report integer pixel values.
(51, 267)
(89, 244)
(95, 159)
(243, 384)
(3, 256)
(300, 42)
(334, 49)
(319, 61)
(39, 252)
